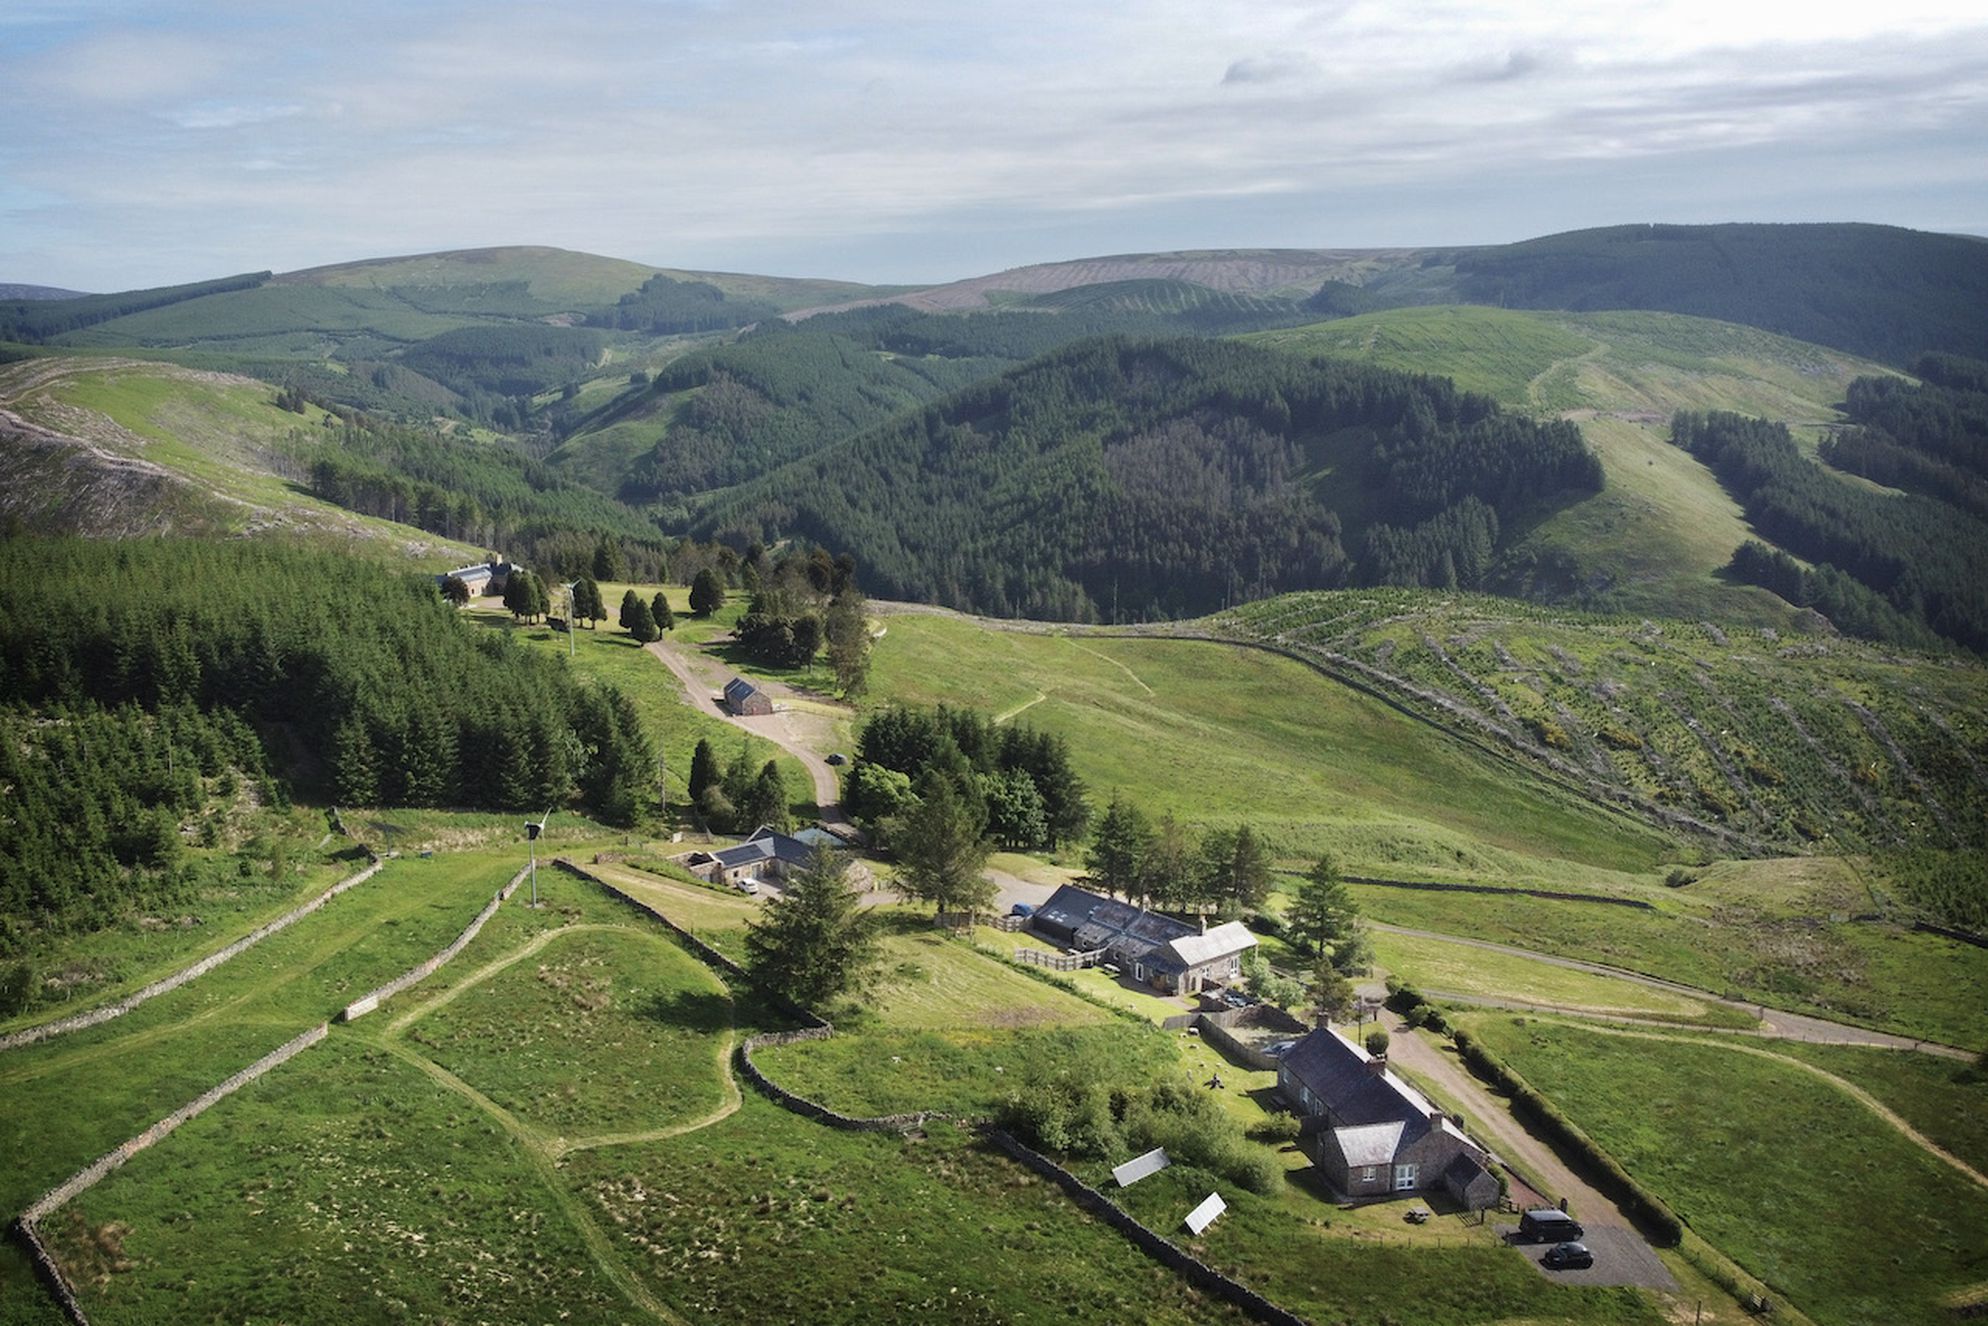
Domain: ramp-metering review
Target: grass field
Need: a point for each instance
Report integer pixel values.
(1769, 1164)
(1874, 975)
(1217, 734)
(1338, 1267)
(768, 1218)
(1946, 1101)
(650, 1022)
(1433, 965)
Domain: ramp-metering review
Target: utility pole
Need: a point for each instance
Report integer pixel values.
(533, 828)
(572, 621)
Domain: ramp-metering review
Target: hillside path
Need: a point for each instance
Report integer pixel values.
(1776, 1024)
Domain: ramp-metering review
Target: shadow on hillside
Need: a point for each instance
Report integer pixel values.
(690, 1010)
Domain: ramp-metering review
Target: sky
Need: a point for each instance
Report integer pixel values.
(152, 143)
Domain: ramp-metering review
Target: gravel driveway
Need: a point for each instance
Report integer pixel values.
(1621, 1258)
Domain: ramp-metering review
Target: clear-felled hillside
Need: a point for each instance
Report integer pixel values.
(1761, 738)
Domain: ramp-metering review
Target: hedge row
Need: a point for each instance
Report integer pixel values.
(1638, 1202)
(1415, 1009)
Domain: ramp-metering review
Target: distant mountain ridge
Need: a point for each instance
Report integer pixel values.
(16, 291)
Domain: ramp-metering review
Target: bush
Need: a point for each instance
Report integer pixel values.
(1377, 1043)
(1679, 877)
(1277, 1130)
(1073, 1113)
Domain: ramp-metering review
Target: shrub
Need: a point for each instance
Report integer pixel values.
(1276, 1130)
(1679, 877)
(1377, 1042)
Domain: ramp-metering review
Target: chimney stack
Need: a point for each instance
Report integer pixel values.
(1376, 1065)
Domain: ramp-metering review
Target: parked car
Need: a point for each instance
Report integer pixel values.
(1278, 1049)
(1022, 909)
(1568, 1257)
(747, 886)
(837, 758)
(1548, 1225)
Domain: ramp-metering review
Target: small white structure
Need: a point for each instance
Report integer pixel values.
(1141, 1167)
(1204, 1215)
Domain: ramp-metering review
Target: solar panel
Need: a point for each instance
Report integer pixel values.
(1141, 1167)
(1204, 1215)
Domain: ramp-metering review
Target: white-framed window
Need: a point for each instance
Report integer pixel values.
(1370, 1173)
(1404, 1178)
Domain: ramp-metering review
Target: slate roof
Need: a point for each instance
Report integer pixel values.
(1335, 1069)
(764, 845)
(1370, 1143)
(738, 690)
(1098, 922)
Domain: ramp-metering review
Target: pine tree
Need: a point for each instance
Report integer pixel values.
(1117, 848)
(766, 802)
(587, 601)
(940, 843)
(1324, 919)
(848, 631)
(642, 625)
(629, 602)
(607, 559)
(704, 770)
(815, 941)
(707, 593)
(659, 608)
(354, 771)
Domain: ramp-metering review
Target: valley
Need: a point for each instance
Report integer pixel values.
(1385, 615)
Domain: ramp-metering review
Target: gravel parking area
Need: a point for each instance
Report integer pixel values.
(1621, 1258)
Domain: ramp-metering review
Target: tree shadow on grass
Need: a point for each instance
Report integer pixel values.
(691, 1010)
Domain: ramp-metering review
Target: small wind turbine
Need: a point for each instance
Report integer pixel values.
(534, 828)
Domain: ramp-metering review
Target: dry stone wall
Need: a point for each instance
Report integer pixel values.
(366, 1003)
(61, 1026)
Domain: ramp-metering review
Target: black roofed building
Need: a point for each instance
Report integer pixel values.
(1159, 950)
(742, 697)
(1371, 1133)
(768, 854)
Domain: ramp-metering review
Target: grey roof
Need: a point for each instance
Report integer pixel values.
(738, 689)
(1098, 922)
(764, 845)
(1370, 1143)
(1461, 1172)
(1336, 1072)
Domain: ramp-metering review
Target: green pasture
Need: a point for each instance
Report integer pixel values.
(1365, 1266)
(651, 1024)
(1220, 735)
(1945, 1100)
(612, 655)
(1437, 967)
(1768, 1164)
(1873, 975)
(345, 1186)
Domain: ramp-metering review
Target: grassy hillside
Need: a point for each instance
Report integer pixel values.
(1879, 291)
(1758, 737)
(117, 446)
(1653, 538)
(1216, 735)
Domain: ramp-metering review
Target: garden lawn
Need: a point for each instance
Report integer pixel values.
(928, 979)
(767, 1217)
(1436, 967)
(717, 918)
(1797, 1182)
(600, 1029)
(345, 1186)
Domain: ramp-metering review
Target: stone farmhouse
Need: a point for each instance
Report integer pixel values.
(742, 697)
(1165, 953)
(1371, 1134)
(768, 855)
(482, 578)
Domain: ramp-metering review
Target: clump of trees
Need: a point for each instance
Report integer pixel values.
(740, 797)
(1015, 780)
(1161, 865)
(815, 941)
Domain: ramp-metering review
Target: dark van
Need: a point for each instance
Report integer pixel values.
(1549, 1226)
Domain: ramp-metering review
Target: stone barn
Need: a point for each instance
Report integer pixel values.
(742, 698)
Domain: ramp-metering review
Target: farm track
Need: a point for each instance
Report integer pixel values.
(1850, 1089)
(1776, 1023)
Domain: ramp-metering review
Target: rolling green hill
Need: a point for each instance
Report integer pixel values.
(121, 447)
(1133, 479)
(1879, 291)
(1654, 538)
